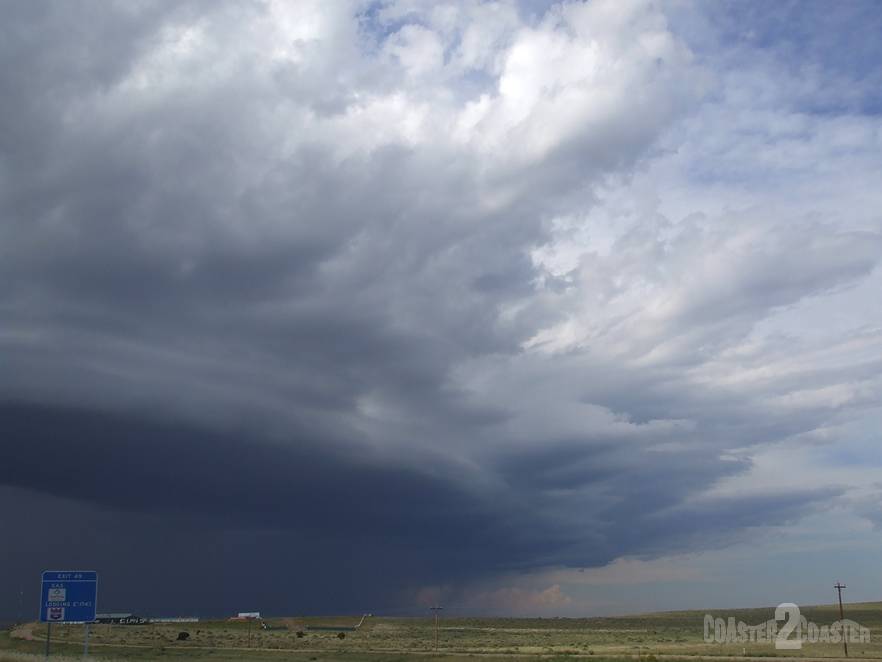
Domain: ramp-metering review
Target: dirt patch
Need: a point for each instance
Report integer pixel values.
(25, 632)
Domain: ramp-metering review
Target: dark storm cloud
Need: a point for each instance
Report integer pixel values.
(177, 563)
(132, 465)
(270, 293)
(227, 499)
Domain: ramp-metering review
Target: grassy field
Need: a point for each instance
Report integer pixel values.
(384, 639)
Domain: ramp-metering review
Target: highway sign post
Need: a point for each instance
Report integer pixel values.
(68, 596)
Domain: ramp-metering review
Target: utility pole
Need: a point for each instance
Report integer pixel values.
(435, 610)
(839, 586)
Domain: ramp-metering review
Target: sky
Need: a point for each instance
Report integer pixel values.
(517, 307)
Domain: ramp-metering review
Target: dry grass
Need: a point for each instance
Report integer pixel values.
(14, 656)
(380, 639)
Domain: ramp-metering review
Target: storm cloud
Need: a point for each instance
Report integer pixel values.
(373, 297)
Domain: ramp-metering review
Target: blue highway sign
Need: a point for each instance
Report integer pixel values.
(69, 596)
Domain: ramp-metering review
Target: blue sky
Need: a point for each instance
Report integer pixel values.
(528, 308)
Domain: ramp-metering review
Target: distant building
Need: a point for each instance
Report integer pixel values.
(126, 618)
(110, 616)
(120, 618)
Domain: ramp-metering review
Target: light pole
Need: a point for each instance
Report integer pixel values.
(435, 610)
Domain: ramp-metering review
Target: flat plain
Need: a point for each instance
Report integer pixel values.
(646, 637)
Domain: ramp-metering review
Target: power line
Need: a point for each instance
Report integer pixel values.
(435, 610)
(839, 586)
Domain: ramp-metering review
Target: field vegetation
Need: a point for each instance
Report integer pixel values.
(646, 638)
